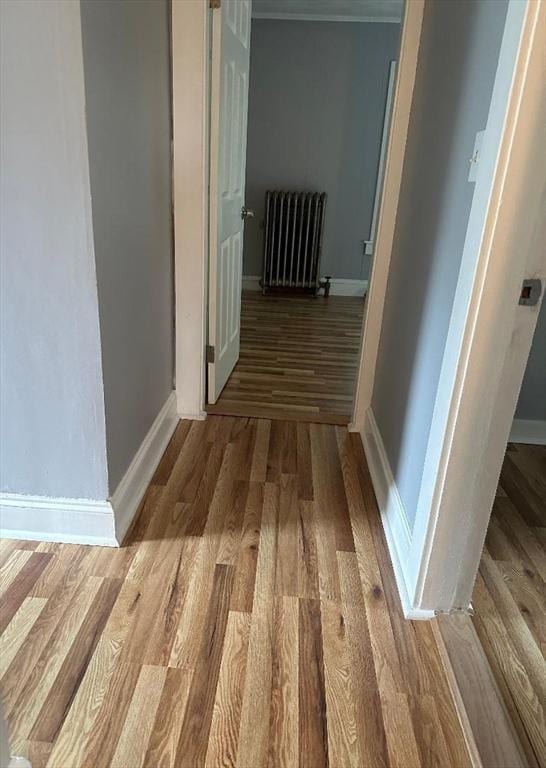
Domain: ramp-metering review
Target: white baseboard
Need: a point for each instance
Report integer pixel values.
(84, 521)
(528, 431)
(199, 416)
(70, 521)
(338, 286)
(393, 515)
(126, 498)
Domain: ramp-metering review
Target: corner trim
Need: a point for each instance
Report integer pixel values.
(338, 286)
(393, 514)
(126, 498)
(47, 518)
(530, 431)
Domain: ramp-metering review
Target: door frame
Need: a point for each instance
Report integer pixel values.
(191, 40)
(436, 563)
(410, 41)
(191, 36)
(488, 341)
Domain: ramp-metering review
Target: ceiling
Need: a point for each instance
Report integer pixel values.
(340, 10)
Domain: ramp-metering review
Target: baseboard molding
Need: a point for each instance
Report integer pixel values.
(127, 497)
(532, 432)
(44, 518)
(84, 521)
(393, 514)
(338, 286)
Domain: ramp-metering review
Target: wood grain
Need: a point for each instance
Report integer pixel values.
(251, 619)
(226, 717)
(298, 359)
(165, 734)
(492, 730)
(24, 579)
(194, 735)
(284, 720)
(510, 596)
(140, 717)
(17, 630)
(312, 693)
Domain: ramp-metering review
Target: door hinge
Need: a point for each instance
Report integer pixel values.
(215, 3)
(209, 353)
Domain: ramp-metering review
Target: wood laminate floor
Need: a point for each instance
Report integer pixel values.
(510, 595)
(298, 358)
(250, 620)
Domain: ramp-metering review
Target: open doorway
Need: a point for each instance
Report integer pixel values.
(291, 249)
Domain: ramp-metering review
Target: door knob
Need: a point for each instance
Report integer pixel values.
(246, 213)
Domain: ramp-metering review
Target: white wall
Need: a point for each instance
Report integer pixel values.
(52, 409)
(315, 120)
(62, 456)
(127, 85)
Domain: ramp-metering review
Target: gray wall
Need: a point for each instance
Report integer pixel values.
(532, 398)
(52, 413)
(316, 105)
(126, 63)
(455, 74)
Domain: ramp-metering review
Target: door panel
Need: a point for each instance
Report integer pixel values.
(229, 105)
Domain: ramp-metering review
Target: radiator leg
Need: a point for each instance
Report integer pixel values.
(326, 285)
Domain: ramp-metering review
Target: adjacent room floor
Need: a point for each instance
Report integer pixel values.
(510, 595)
(251, 620)
(298, 359)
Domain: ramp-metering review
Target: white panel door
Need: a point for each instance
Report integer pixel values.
(229, 105)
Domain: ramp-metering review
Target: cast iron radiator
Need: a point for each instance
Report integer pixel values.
(294, 222)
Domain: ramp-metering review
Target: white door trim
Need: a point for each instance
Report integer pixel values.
(190, 61)
(191, 76)
(396, 148)
(489, 336)
(476, 399)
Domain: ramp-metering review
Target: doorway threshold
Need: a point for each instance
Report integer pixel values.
(276, 412)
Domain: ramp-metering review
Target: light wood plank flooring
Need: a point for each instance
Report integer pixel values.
(298, 359)
(250, 620)
(510, 595)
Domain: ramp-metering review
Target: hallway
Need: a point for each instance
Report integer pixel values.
(251, 619)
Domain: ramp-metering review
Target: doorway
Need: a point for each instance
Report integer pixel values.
(285, 315)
